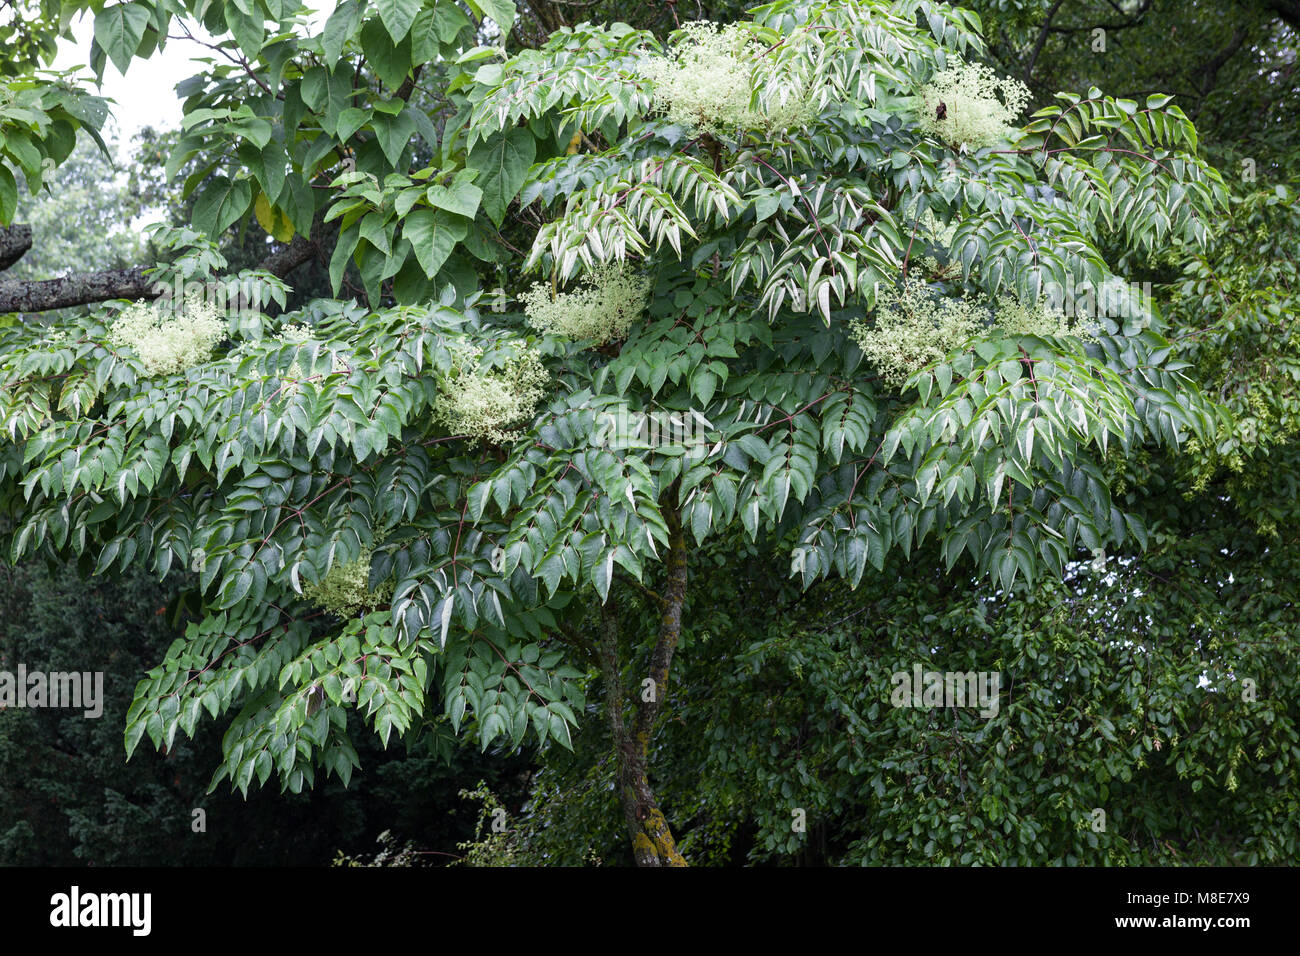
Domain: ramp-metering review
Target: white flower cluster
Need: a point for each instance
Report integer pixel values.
(914, 328)
(612, 297)
(1042, 319)
(708, 80)
(169, 341)
(491, 404)
(970, 106)
(345, 589)
(295, 333)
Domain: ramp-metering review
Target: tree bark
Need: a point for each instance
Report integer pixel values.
(80, 288)
(84, 288)
(1042, 39)
(653, 843)
(15, 240)
(293, 255)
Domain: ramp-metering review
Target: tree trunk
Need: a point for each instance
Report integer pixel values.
(652, 839)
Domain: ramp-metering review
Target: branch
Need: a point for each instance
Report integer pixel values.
(85, 288)
(654, 596)
(1134, 21)
(1042, 38)
(80, 288)
(408, 85)
(571, 637)
(281, 263)
(670, 620)
(239, 60)
(1211, 69)
(15, 240)
(547, 15)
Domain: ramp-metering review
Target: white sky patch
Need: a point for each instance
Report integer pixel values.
(146, 95)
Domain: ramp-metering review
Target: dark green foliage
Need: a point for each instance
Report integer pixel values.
(68, 796)
(786, 705)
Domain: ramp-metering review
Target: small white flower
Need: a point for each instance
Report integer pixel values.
(345, 589)
(708, 82)
(295, 333)
(914, 327)
(491, 404)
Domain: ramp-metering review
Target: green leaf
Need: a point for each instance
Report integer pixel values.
(350, 120)
(118, 31)
(327, 94)
(448, 21)
(348, 239)
(503, 162)
(25, 152)
(390, 61)
(341, 25)
(374, 232)
(433, 234)
(246, 28)
(461, 198)
(501, 11)
(423, 125)
(765, 205)
(394, 134)
(272, 219)
(8, 195)
(221, 204)
(398, 15)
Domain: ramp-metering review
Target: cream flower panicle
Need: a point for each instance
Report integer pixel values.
(708, 82)
(295, 333)
(169, 341)
(491, 404)
(603, 310)
(970, 106)
(914, 327)
(1042, 319)
(345, 589)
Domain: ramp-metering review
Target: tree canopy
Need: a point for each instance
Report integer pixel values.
(884, 303)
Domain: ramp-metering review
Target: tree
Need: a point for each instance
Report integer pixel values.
(817, 244)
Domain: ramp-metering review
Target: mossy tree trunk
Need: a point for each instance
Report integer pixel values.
(652, 839)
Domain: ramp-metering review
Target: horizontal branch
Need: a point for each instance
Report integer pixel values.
(84, 288)
(281, 263)
(80, 288)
